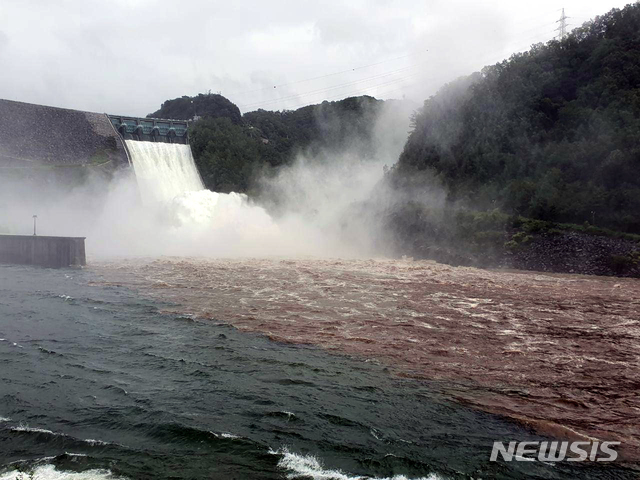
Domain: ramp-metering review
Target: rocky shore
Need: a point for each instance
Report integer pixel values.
(575, 252)
(502, 246)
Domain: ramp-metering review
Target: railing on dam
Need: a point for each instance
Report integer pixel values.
(151, 129)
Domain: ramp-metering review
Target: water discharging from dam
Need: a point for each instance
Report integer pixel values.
(311, 215)
(163, 170)
(184, 216)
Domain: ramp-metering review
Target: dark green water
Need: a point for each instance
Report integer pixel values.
(96, 380)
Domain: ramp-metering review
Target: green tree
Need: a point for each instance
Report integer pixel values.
(552, 133)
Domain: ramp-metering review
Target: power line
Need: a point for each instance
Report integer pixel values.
(381, 85)
(384, 92)
(323, 89)
(332, 87)
(348, 94)
(345, 71)
(368, 88)
(326, 75)
(539, 16)
(563, 26)
(261, 103)
(545, 25)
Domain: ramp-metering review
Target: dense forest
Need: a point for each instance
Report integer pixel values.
(231, 149)
(550, 134)
(202, 105)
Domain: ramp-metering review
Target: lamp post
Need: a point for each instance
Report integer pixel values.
(35, 218)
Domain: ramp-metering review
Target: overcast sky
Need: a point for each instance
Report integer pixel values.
(128, 56)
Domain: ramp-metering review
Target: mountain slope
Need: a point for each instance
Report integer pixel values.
(232, 149)
(551, 134)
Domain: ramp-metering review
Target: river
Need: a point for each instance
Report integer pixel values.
(322, 369)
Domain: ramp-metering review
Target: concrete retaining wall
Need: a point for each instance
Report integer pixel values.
(37, 135)
(56, 252)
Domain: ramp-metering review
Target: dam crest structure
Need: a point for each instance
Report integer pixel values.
(43, 146)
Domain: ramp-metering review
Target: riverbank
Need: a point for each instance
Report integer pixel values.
(496, 240)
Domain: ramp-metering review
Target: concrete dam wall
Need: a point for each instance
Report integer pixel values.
(35, 136)
(59, 163)
(55, 252)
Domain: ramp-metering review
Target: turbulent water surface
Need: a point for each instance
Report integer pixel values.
(158, 369)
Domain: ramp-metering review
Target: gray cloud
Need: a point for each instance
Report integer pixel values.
(127, 56)
(4, 40)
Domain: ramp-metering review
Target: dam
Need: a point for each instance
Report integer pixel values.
(151, 129)
(43, 137)
(50, 152)
(36, 137)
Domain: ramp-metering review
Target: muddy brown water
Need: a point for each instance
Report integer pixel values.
(558, 352)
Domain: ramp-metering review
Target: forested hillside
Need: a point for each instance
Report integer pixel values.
(209, 105)
(538, 156)
(231, 149)
(329, 125)
(551, 134)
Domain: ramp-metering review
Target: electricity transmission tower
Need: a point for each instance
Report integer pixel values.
(562, 29)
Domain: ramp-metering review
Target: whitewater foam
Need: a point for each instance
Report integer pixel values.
(93, 442)
(163, 170)
(215, 213)
(289, 415)
(308, 466)
(49, 472)
(229, 436)
(26, 428)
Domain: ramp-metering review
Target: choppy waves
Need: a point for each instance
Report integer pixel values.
(130, 390)
(28, 429)
(451, 324)
(49, 472)
(310, 467)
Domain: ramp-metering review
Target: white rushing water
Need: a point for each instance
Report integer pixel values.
(160, 207)
(316, 204)
(308, 466)
(49, 472)
(183, 213)
(163, 170)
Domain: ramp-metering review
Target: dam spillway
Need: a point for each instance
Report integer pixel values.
(47, 153)
(151, 129)
(163, 171)
(37, 137)
(57, 146)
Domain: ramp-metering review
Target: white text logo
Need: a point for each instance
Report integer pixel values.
(555, 451)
